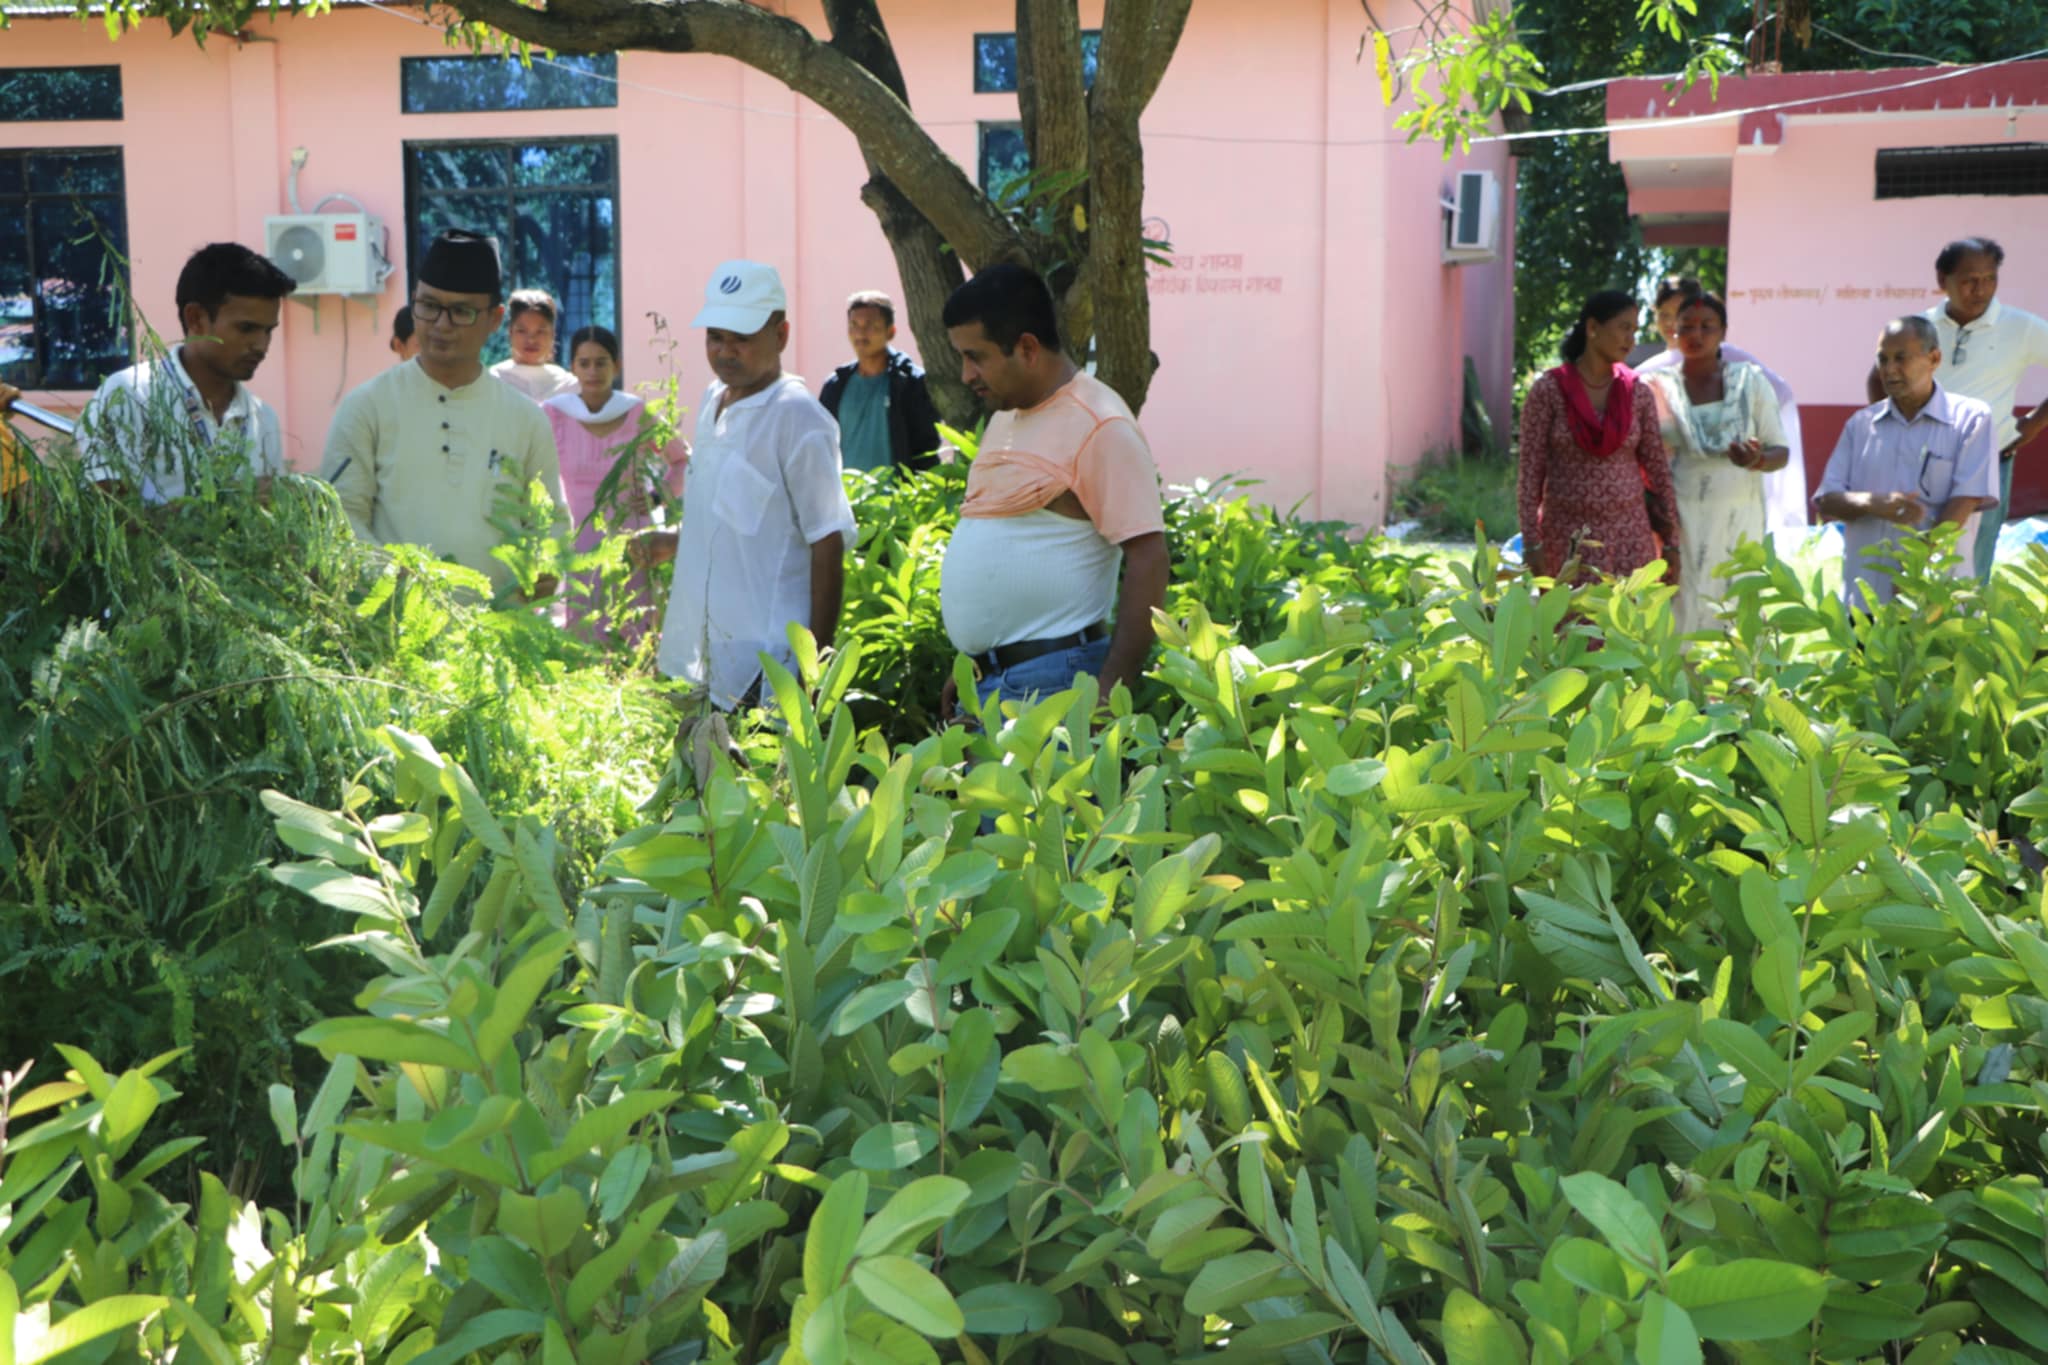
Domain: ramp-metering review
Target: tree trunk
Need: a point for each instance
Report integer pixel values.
(1138, 40)
(937, 221)
(928, 271)
(786, 50)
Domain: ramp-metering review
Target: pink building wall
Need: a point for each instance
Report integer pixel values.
(1817, 264)
(1309, 337)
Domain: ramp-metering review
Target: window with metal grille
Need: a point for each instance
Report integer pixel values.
(1993, 168)
(63, 238)
(552, 206)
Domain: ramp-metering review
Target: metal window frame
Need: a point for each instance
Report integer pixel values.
(510, 193)
(120, 94)
(610, 84)
(27, 199)
(1954, 172)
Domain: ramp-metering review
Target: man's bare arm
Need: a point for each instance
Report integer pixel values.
(650, 547)
(1956, 511)
(1146, 571)
(2030, 426)
(1902, 508)
(828, 586)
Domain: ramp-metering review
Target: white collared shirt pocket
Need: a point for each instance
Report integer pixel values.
(743, 494)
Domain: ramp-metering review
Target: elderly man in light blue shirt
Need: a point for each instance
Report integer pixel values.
(1919, 457)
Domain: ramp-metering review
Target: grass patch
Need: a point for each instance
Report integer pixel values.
(1450, 494)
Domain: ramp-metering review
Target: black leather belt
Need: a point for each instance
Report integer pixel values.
(1005, 657)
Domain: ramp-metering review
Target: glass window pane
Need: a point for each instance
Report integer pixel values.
(557, 223)
(995, 63)
(17, 287)
(995, 60)
(34, 94)
(459, 85)
(563, 163)
(1004, 159)
(83, 339)
(75, 173)
(470, 167)
(568, 245)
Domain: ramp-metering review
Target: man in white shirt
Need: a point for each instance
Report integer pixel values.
(1986, 348)
(1919, 457)
(428, 452)
(765, 522)
(171, 426)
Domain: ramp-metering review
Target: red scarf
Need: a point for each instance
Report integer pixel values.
(1599, 434)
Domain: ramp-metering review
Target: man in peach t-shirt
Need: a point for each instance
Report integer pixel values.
(1062, 494)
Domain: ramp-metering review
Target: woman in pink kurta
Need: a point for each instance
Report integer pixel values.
(1595, 481)
(593, 426)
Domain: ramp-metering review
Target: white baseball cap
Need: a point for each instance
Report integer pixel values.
(740, 297)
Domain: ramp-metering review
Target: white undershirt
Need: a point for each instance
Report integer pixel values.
(1032, 577)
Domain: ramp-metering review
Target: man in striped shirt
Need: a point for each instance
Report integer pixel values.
(1917, 458)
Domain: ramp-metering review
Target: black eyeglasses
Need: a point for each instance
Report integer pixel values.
(430, 310)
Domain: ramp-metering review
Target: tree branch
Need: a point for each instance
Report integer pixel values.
(1139, 38)
(786, 50)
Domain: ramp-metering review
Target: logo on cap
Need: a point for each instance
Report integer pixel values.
(729, 285)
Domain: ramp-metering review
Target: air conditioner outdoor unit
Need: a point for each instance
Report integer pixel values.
(328, 253)
(1473, 232)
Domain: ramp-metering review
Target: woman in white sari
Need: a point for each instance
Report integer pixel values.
(1719, 420)
(1785, 492)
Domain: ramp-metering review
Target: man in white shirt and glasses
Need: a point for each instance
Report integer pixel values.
(1987, 347)
(1919, 457)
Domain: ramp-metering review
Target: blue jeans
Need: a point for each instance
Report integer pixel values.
(1989, 520)
(1044, 675)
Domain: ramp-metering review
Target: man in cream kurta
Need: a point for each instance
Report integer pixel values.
(423, 453)
(423, 464)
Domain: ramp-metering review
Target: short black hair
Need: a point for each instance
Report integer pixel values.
(603, 336)
(1008, 301)
(1678, 287)
(224, 268)
(401, 324)
(877, 300)
(1951, 257)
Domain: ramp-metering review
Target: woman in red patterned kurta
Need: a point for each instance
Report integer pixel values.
(1591, 451)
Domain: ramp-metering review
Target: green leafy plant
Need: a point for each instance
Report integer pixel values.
(1461, 968)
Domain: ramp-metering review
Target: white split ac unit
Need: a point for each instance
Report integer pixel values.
(328, 253)
(1472, 232)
